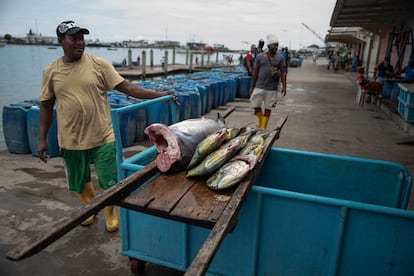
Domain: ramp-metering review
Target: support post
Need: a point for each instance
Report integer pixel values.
(144, 64)
(151, 58)
(129, 58)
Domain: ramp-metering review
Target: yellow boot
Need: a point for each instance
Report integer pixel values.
(87, 195)
(265, 120)
(259, 116)
(111, 219)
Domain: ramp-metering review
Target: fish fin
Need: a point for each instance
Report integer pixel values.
(220, 119)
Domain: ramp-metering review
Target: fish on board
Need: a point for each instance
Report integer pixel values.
(232, 172)
(237, 130)
(231, 133)
(255, 141)
(208, 145)
(217, 158)
(176, 143)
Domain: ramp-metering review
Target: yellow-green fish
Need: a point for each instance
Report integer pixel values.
(217, 158)
(232, 172)
(254, 141)
(208, 145)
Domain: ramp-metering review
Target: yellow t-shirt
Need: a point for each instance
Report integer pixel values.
(82, 108)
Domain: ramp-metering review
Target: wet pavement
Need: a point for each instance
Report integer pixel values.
(322, 117)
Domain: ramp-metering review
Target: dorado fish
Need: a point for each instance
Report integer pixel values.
(176, 143)
(209, 144)
(217, 158)
(254, 142)
(231, 133)
(232, 172)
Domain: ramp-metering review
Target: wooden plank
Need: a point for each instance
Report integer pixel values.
(60, 228)
(227, 220)
(201, 204)
(160, 194)
(405, 141)
(228, 111)
(174, 196)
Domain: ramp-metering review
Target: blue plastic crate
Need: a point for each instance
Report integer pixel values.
(244, 86)
(33, 115)
(388, 89)
(406, 93)
(15, 127)
(395, 92)
(406, 110)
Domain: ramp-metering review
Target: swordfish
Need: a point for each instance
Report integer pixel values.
(176, 143)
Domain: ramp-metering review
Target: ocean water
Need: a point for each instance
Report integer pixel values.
(21, 69)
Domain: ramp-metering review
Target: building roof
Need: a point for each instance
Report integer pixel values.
(372, 15)
(347, 34)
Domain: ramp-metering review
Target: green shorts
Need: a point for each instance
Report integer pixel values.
(78, 171)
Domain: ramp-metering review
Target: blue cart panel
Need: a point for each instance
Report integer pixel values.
(296, 223)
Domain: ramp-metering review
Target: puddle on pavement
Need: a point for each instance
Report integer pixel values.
(41, 174)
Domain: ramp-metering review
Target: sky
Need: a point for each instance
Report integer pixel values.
(234, 23)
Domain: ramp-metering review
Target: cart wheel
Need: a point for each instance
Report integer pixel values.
(137, 266)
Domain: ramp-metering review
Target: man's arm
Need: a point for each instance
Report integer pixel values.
(255, 75)
(284, 82)
(140, 92)
(283, 77)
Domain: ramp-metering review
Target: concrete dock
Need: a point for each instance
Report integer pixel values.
(323, 116)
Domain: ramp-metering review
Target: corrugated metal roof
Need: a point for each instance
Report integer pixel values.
(372, 15)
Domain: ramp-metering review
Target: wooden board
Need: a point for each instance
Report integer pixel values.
(174, 196)
(63, 226)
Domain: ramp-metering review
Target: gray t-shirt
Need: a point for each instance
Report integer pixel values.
(265, 79)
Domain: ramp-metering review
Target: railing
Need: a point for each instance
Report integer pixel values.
(129, 163)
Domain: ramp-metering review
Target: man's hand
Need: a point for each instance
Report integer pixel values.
(171, 92)
(42, 151)
(251, 91)
(283, 91)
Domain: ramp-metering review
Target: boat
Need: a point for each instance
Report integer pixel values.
(123, 63)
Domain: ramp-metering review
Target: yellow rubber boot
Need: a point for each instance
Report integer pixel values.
(265, 120)
(259, 116)
(86, 196)
(111, 219)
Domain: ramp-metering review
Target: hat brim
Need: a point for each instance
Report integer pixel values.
(76, 30)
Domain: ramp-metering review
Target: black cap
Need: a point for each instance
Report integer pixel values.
(69, 28)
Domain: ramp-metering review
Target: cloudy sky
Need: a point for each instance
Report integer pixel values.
(234, 23)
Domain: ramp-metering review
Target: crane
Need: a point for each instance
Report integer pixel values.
(315, 33)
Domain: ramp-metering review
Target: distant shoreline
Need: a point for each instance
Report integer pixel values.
(114, 46)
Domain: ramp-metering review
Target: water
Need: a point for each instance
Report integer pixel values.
(21, 69)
